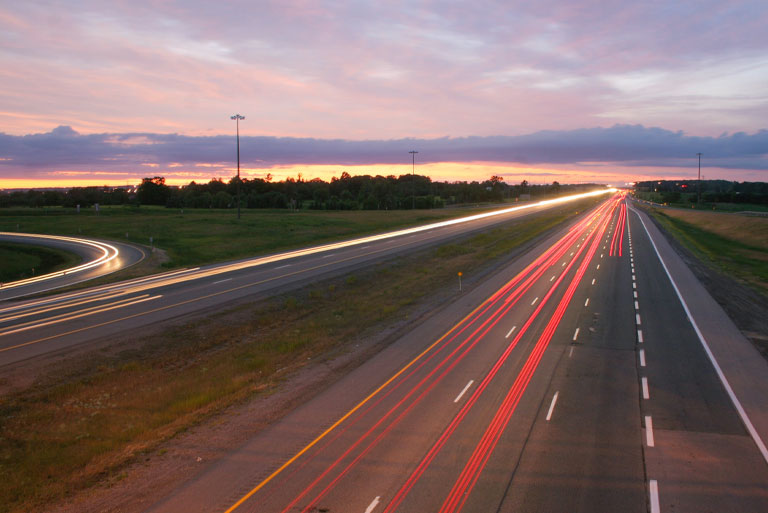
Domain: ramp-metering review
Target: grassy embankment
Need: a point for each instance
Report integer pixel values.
(201, 236)
(734, 244)
(87, 420)
(21, 261)
(687, 201)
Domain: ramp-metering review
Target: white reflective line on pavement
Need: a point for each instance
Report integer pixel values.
(463, 391)
(576, 334)
(373, 505)
(649, 431)
(552, 406)
(634, 293)
(534, 301)
(282, 266)
(570, 353)
(644, 382)
(586, 303)
(637, 319)
(640, 336)
(552, 278)
(637, 305)
(593, 281)
(221, 281)
(642, 358)
(510, 331)
(653, 491)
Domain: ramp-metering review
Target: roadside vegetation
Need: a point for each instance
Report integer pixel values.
(737, 245)
(87, 420)
(20, 261)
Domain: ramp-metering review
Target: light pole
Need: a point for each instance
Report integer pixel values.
(237, 118)
(413, 178)
(698, 184)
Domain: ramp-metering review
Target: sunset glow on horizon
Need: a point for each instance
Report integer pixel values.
(109, 93)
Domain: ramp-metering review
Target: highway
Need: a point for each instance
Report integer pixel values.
(35, 327)
(98, 258)
(574, 380)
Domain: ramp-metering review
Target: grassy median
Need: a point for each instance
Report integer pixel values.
(202, 236)
(86, 421)
(21, 261)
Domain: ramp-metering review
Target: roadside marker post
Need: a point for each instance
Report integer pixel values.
(459, 281)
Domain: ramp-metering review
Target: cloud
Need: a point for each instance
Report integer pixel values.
(625, 145)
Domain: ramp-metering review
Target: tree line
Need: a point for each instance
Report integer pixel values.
(712, 191)
(347, 192)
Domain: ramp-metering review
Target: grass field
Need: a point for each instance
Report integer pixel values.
(195, 237)
(735, 244)
(87, 420)
(21, 261)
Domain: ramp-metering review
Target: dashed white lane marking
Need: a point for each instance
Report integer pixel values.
(563, 265)
(534, 301)
(598, 266)
(637, 305)
(644, 382)
(221, 281)
(463, 391)
(510, 331)
(593, 281)
(329, 256)
(649, 431)
(633, 277)
(365, 247)
(570, 353)
(653, 491)
(576, 334)
(373, 505)
(586, 303)
(552, 406)
(552, 278)
(571, 253)
(637, 319)
(634, 293)
(601, 255)
(634, 285)
(642, 357)
(282, 266)
(640, 336)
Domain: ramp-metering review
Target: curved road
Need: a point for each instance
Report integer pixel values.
(99, 258)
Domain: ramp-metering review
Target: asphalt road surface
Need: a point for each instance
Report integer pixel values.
(98, 258)
(574, 380)
(39, 326)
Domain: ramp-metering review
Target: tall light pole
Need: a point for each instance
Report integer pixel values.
(413, 178)
(237, 118)
(698, 184)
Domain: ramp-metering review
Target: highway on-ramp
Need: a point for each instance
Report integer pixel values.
(575, 380)
(98, 258)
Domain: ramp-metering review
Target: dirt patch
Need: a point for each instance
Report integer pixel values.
(745, 306)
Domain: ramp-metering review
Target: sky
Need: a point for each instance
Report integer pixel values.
(602, 91)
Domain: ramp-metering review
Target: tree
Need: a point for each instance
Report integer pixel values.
(153, 191)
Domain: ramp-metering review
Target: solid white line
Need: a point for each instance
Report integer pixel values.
(637, 306)
(570, 353)
(644, 382)
(642, 357)
(586, 303)
(649, 431)
(742, 413)
(653, 491)
(637, 319)
(552, 278)
(510, 331)
(552, 406)
(221, 281)
(576, 334)
(640, 336)
(373, 505)
(534, 301)
(593, 281)
(458, 397)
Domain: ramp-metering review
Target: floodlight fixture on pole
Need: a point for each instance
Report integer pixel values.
(698, 184)
(413, 178)
(237, 118)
